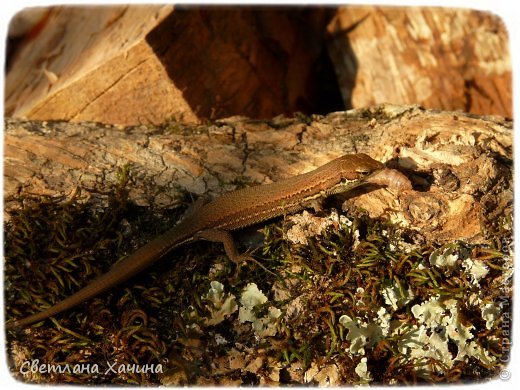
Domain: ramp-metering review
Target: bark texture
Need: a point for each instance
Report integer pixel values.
(452, 251)
(460, 164)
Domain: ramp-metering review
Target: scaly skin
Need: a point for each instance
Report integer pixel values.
(232, 211)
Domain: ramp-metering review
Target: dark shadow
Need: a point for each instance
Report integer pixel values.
(249, 60)
(326, 96)
(339, 46)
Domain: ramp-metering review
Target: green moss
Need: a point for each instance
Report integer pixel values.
(337, 279)
(54, 246)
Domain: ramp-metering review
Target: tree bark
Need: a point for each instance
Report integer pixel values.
(460, 164)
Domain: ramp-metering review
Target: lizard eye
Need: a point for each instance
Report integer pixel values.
(363, 172)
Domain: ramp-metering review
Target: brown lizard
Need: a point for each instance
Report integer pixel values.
(215, 220)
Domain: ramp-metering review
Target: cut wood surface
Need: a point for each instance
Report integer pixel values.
(146, 64)
(460, 164)
(445, 58)
(100, 69)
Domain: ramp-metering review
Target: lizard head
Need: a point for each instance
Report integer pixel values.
(350, 171)
(358, 167)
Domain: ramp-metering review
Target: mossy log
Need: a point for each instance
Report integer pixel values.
(414, 272)
(460, 164)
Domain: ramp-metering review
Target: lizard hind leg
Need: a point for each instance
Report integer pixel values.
(225, 237)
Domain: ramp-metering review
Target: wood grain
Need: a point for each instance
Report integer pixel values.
(443, 58)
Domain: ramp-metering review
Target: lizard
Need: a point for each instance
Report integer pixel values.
(215, 220)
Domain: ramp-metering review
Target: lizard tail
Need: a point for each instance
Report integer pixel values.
(119, 273)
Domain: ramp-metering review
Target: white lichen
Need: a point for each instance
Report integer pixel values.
(476, 269)
(417, 343)
(267, 325)
(474, 299)
(360, 334)
(438, 322)
(362, 371)
(251, 297)
(490, 313)
(429, 312)
(383, 320)
(396, 296)
(472, 349)
(455, 329)
(219, 304)
(264, 326)
(444, 257)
